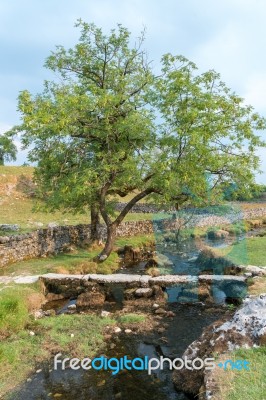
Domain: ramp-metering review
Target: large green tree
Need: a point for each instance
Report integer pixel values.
(109, 127)
(8, 150)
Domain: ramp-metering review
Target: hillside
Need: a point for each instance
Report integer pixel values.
(16, 207)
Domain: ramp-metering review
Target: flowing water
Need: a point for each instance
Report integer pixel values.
(179, 331)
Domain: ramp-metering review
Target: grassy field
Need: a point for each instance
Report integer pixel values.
(250, 251)
(17, 208)
(239, 385)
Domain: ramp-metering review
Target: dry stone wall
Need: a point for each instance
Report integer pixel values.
(44, 242)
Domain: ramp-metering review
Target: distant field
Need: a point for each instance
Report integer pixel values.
(17, 208)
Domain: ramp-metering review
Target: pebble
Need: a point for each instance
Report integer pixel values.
(105, 313)
(170, 314)
(72, 307)
(117, 329)
(160, 311)
(32, 333)
(72, 335)
(128, 330)
(38, 371)
(101, 383)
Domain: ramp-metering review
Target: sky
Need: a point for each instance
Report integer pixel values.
(228, 36)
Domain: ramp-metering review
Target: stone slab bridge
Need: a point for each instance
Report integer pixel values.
(94, 289)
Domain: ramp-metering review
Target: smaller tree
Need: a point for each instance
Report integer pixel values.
(8, 149)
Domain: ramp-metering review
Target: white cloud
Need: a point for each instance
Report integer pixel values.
(228, 36)
(255, 92)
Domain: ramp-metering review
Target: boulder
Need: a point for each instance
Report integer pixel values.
(255, 271)
(219, 234)
(211, 262)
(90, 299)
(9, 227)
(144, 292)
(4, 239)
(132, 255)
(245, 329)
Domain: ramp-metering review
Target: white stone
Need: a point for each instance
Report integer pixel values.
(105, 313)
(52, 224)
(72, 307)
(250, 319)
(143, 292)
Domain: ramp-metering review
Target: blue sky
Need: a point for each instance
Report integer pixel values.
(226, 35)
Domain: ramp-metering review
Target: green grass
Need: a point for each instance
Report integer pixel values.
(250, 251)
(132, 318)
(13, 309)
(21, 352)
(243, 384)
(135, 241)
(18, 209)
(79, 262)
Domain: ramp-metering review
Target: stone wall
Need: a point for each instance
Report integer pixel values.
(53, 240)
(44, 242)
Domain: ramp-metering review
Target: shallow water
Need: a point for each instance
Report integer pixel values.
(179, 332)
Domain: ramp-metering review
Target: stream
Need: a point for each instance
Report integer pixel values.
(180, 331)
(171, 340)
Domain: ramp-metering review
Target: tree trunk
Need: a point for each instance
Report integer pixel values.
(95, 222)
(111, 235)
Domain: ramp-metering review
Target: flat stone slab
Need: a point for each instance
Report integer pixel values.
(173, 279)
(145, 280)
(220, 278)
(114, 278)
(62, 276)
(19, 279)
(27, 279)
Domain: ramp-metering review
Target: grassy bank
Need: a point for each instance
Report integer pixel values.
(25, 343)
(80, 261)
(243, 384)
(250, 251)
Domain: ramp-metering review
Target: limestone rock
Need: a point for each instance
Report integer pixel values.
(143, 292)
(255, 271)
(219, 234)
(245, 329)
(90, 299)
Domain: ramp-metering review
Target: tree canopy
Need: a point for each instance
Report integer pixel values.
(109, 126)
(8, 149)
